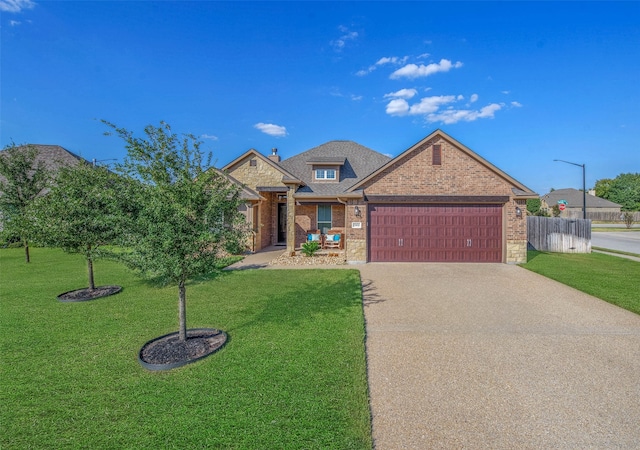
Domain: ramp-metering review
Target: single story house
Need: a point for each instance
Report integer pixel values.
(574, 202)
(436, 201)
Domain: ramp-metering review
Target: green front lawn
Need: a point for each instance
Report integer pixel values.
(292, 375)
(611, 278)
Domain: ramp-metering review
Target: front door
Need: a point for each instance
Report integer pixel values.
(282, 223)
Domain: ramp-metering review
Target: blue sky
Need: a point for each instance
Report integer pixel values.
(519, 83)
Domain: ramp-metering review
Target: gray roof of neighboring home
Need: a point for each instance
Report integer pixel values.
(359, 161)
(573, 198)
(54, 156)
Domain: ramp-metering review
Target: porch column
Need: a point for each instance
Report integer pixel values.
(291, 219)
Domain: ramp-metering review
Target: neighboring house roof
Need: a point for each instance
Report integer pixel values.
(520, 190)
(53, 156)
(574, 197)
(356, 161)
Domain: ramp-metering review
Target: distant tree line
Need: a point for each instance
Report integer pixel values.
(623, 189)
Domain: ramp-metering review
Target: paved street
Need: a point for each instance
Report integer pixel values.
(622, 241)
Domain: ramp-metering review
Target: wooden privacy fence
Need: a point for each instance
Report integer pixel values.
(553, 234)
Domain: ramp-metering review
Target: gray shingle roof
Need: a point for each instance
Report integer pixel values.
(359, 161)
(574, 199)
(54, 156)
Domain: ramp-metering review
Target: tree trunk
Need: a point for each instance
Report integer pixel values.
(92, 285)
(26, 251)
(182, 311)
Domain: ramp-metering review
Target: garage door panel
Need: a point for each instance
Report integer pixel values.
(424, 232)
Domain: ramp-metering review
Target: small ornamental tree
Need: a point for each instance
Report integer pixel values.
(85, 209)
(187, 214)
(22, 179)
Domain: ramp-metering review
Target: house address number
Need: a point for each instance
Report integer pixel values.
(356, 224)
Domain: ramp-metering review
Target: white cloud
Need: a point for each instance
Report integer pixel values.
(271, 129)
(16, 6)
(429, 105)
(416, 71)
(506, 92)
(426, 105)
(356, 98)
(381, 62)
(402, 93)
(516, 104)
(424, 55)
(392, 60)
(341, 42)
(473, 98)
(397, 107)
(440, 108)
(451, 116)
(209, 136)
(14, 23)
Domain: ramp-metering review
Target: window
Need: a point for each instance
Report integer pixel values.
(437, 155)
(253, 163)
(325, 174)
(324, 218)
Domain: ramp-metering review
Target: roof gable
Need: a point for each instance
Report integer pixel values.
(356, 162)
(267, 173)
(518, 189)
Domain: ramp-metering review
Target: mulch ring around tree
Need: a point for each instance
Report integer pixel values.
(85, 294)
(168, 351)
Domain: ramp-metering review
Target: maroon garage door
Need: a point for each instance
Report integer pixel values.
(423, 232)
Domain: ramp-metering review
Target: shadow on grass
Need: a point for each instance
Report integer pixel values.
(533, 254)
(317, 293)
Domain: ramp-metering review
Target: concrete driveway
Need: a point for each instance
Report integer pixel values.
(494, 356)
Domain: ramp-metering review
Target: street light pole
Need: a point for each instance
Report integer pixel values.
(584, 187)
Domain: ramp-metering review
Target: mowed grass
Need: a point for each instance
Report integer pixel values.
(291, 376)
(610, 278)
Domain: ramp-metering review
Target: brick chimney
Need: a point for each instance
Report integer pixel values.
(274, 155)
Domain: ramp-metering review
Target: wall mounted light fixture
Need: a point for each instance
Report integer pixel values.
(518, 212)
(357, 212)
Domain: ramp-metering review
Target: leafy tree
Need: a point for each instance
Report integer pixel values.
(628, 219)
(603, 188)
(22, 180)
(623, 189)
(84, 210)
(555, 210)
(187, 214)
(533, 206)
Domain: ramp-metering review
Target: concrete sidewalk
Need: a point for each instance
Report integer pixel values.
(494, 356)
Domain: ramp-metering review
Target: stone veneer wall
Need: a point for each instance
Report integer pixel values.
(516, 252)
(356, 238)
(262, 174)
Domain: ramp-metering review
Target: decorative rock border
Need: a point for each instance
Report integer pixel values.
(331, 259)
(167, 352)
(86, 294)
